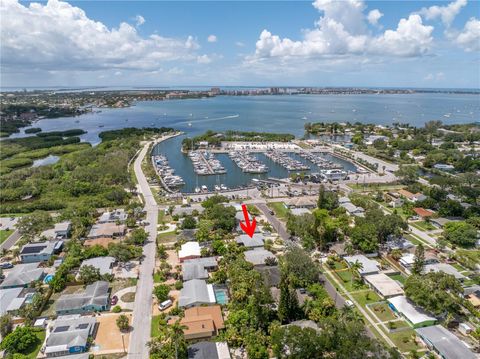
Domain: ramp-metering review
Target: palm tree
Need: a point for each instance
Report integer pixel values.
(176, 335)
(355, 268)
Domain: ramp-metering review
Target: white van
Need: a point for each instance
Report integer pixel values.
(349, 303)
(164, 305)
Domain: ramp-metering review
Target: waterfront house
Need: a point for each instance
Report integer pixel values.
(198, 268)
(415, 316)
(201, 322)
(94, 298)
(368, 266)
(196, 292)
(22, 275)
(258, 256)
(39, 251)
(189, 250)
(103, 264)
(70, 335)
(383, 285)
(209, 350)
(444, 343)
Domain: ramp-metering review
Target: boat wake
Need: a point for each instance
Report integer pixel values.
(212, 119)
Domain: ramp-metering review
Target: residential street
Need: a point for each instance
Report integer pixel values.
(279, 227)
(10, 241)
(143, 301)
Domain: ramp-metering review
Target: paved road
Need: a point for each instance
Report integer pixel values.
(142, 311)
(10, 241)
(279, 227)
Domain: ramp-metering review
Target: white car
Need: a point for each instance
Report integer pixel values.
(349, 303)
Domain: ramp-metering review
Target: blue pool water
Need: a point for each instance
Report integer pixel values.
(221, 296)
(48, 278)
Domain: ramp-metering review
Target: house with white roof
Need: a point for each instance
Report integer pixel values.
(189, 250)
(368, 266)
(414, 315)
(445, 343)
(383, 285)
(103, 264)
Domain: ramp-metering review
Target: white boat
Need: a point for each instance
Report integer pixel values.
(204, 188)
(217, 187)
(189, 124)
(223, 187)
(197, 189)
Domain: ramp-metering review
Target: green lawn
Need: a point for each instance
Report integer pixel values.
(413, 239)
(32, 351)
(345, 278)
(458, 267)
(279, 209)
(366, 297)
(383, 312)
(404, 340)
(472, 254)
(398, 277)
(155, 330)
(166, 237)
(4, 234)
(423, 226)
(157, 278)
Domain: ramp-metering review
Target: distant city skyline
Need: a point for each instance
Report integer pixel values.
(350, 43)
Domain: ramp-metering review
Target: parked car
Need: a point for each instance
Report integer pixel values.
(272, 212)
(114, 300)
(348, 303)
(6, 265)
(164, 305)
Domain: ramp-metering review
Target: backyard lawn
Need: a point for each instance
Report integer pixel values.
(166, 237)
(404, 340)
(279, 209)
(155, 330)
(423, 226)
(366, 297)
(398, 277)
(4, 234)
(383, 312)
(345, 278)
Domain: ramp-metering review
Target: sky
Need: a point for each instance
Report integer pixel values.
(427, 44)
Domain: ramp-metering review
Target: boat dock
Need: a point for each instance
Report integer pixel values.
(247, 162)
(169, 180)
(287, 162)
(205, 163)
(316, 159)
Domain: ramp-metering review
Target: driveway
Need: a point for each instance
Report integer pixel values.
(121, 303)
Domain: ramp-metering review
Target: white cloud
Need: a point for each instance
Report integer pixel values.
(118, 73)
(446, 13)
(212, 38)
(139, 20)
(342, 30)
(204, 59)
(469, 37)
(373, 16)
(59, 36)
(439, 76)
(240, 44)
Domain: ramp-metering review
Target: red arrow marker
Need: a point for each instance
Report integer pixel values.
(248, 228)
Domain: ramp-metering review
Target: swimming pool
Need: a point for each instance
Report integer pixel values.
(221, 296)
(48, 278)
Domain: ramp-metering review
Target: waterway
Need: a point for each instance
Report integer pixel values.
(280, 114)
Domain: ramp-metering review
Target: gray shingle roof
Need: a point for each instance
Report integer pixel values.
(257, 256)
(197, 268)
(203, 350)
(196, 291)
(256, 241)
(446, 343)
(94, 294)
(22, 274)
(69, 332)
(38, 248)
(104, 264)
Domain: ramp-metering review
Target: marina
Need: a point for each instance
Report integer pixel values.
(285, 161)
(205, 163)
(247, 162)
(166, 173)
(319, 160)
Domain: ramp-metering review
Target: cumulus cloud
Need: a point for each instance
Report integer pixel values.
(212, 38)
(139, 20)
(446, 13)
(435, 77)
(204, 59)
(342, 30)
(59, 36)
(469, 37)
(373, 16)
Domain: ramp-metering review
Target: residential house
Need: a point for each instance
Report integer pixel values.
(351, 209)
(22, 275)
(108, 230)
(423, 213)
(368, 266)
(257, 240)
(440, 222)
(209, 350)
(13, 299)
(201, 322)
(270, 274)
(383, 285)
(70, 335)
(39, 251)
(299, 211)
(258, 256)
(412, 197)
(408, 259)
(94, 298)
(189, 250)
(198, 268)
(60, 231)
(445, 268)
(115, 216)
(445, 343)
(414, 315)
(103, 264)
(196, 292)
(302, 202)
(397, 242)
